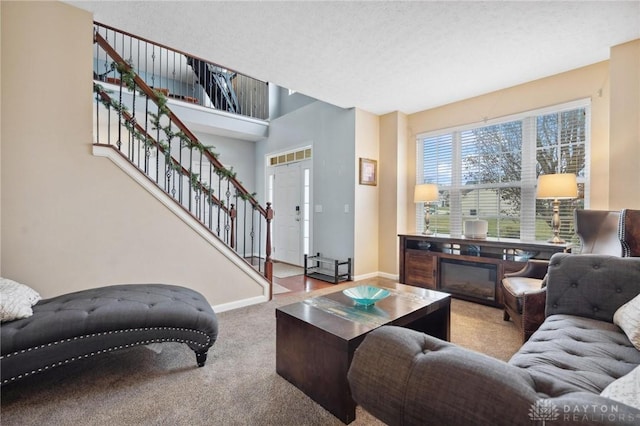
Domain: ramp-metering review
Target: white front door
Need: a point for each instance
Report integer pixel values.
(288, 217)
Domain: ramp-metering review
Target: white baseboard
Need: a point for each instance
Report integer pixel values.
(394, 277)
(377, 274)
(239, 304)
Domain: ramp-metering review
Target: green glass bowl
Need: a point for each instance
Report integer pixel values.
(366, 295)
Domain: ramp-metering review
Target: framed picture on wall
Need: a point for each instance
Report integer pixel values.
(368, 172)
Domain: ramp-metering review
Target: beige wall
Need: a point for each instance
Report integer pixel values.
(366, 213)
(588, 82)
(393, 189)
(72, 221)
(625, 126)
(614, 89)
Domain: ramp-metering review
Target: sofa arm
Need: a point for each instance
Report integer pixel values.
(533, 311)
(591, 285)
(404, 377)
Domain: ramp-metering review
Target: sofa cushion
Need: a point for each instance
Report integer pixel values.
(572, 354)
(627, 317)
(626, 389)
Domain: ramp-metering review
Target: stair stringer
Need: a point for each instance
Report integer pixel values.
(138, 176)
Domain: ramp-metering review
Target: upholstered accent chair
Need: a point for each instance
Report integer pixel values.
(598, 231)
(523, 292)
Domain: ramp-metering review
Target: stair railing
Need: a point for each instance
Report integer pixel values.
(184, 76)
(158, 143)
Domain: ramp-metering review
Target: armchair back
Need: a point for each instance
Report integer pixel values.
(598, 231)
(591, 285)
(630, 232)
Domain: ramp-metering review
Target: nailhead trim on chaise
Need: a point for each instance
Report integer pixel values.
(83, 324)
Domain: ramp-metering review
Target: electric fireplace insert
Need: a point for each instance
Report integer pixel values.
(467, 278)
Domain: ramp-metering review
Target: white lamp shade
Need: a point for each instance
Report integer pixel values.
(425, 192)
(557, 186)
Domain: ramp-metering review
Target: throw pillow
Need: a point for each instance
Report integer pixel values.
(16, 300)
(626, 389)
(627, 317)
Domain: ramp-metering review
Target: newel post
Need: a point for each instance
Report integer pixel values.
(268, 264)
(232, 215)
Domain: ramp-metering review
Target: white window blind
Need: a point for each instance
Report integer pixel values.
(437, 168)
(489, 171)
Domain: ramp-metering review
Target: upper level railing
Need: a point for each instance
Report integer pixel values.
(182, 76)
(138, 122)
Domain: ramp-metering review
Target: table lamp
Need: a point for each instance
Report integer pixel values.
(426, 193)
(556, 187)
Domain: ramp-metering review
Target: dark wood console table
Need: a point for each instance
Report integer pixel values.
(469, 269)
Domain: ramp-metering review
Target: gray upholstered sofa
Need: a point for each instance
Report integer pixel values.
(407, 378)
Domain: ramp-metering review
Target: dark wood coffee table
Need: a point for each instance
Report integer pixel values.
(316, 338)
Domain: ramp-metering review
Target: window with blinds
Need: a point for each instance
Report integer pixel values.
(438, 170)
(489, 171)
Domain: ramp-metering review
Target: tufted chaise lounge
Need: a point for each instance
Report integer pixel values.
(80, 325)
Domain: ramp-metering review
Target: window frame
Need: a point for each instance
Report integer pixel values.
(528, 173)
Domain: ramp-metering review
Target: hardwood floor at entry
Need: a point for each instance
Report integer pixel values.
(300, 284)
(303, 284)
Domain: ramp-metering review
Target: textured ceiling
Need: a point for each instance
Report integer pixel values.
(384, 56)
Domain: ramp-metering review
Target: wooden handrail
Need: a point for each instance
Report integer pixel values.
(163, 46)
(149, 92)
(241, 191)
(128, 117)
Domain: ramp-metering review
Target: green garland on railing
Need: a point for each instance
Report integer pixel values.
(226, 173)
(128, 79)
(247, 196)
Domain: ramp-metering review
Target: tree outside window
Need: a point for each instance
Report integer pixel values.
(490, 172)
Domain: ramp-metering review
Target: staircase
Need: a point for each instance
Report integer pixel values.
(136, 121)
(218, 83)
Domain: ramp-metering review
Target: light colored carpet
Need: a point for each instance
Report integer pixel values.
(284, 270)
(237, 386)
